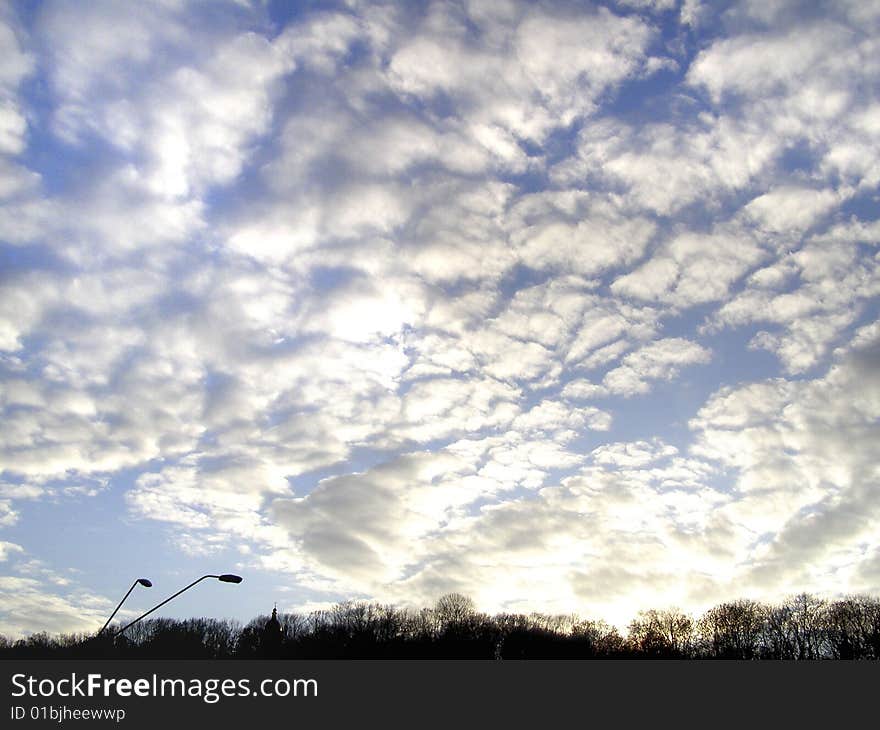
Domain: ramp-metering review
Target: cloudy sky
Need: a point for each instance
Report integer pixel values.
(567, 307)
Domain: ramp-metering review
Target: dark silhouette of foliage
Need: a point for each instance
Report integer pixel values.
(662, 634)
(852, 628)
(801, 627)
(732, 630)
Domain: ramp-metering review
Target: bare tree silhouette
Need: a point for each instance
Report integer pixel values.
(800, 627)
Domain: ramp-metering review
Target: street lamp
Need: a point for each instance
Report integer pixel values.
(225, 578)
(142, 581)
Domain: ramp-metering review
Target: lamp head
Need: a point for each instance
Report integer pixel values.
(229, 578)
(145, 582)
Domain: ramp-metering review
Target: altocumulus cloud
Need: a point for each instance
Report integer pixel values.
(567, 306)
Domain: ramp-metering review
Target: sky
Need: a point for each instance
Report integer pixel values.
(568, 307)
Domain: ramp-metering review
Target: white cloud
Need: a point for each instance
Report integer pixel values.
(692, 268)
(803, 454)
(791, 210)
(18, 64)
(588, 240)
(833, 282)
(9, 548)
(362, 296)
(655, 5)
(659, 360)
(24, 598)
(13, 127)
(664, 167)
(756, 65)
(632, 454)
(564, 63)
(555, 418)
(366, 527)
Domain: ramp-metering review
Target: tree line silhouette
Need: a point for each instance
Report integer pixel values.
(801, 627)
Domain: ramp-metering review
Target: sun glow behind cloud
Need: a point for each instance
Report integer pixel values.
(566, 307)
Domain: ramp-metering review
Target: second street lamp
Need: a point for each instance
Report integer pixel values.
(224, 578)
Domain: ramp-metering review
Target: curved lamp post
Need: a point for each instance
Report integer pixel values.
(225, 578)
(146, 583)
